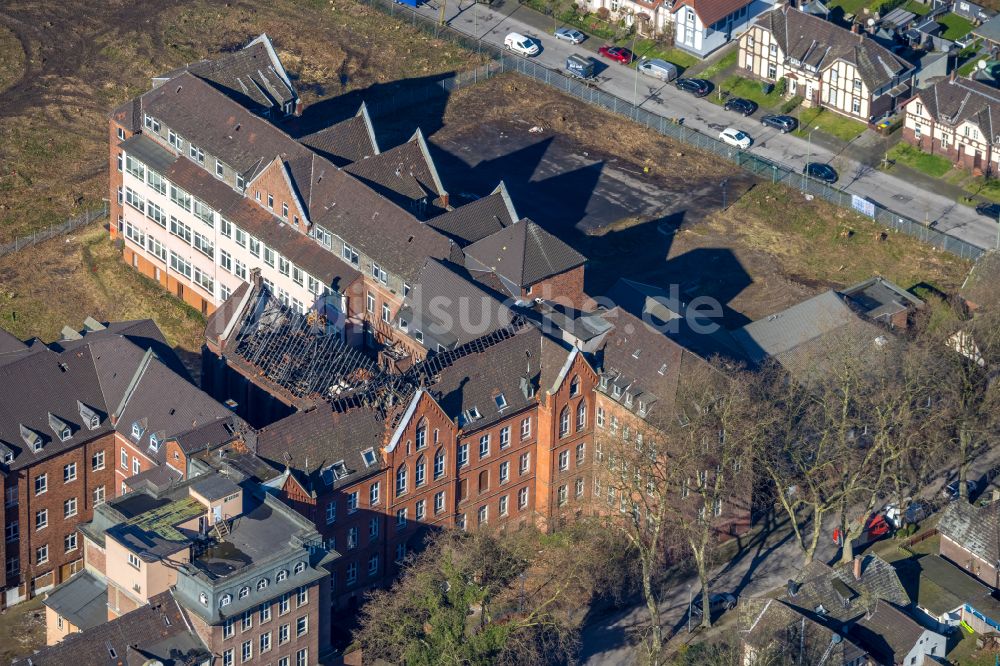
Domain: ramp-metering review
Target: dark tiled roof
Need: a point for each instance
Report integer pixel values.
(10, 344)
(944, 587)
(375, 225)
(83, 600)
(310, 441)
(841, 597)
(151, 631)
(449, 308)
(952, 103)
(887, 632)
(710, 11)
(771, 623)
(819, 43)
(977, 529)
(252, 76)
(404, 174)
(127, 115)
(345, 142)
(523, 254)
(477, 220)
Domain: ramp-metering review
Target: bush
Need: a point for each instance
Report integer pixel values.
(603, 13)
(782, 87)
(791, 104)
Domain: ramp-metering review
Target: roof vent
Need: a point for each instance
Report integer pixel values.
(793, 587)
(31, 438)
(179, 88)
(60, 427)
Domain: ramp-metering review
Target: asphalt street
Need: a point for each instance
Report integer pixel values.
(905, 198)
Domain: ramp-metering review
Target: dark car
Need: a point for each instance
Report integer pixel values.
(697, 87)
(990, 210)
(784, 124)
(619, 53)
(740, 105)
(820, 171)
(717, 603)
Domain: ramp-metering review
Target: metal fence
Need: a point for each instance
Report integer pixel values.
(54, 230)
(502, 61)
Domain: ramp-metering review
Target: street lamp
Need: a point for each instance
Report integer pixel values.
(723, 184)
(808, 156)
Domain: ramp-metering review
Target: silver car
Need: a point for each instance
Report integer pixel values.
(570, 35)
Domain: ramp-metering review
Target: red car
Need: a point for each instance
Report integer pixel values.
(621, 54)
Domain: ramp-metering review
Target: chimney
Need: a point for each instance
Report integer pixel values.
(793, 588)
(857, 567)
(951, 77)
(855, 28)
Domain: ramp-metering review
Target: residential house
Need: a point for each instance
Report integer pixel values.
(844, 71)
(247, 574)
(949, 596)
(769, 627)
(895, 639)
(970, 537)
(989, 32)
(704, 26)
(158, 632)
(972, 11)
(650, 17)
(954, 118)
(78, 418)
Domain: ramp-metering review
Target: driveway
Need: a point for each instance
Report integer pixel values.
(909, 199)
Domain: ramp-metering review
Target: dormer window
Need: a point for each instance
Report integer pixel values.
(642, 408)
(604, 382)
(474, 413)
(244, 592)
(501, 401)
(616, 390)
(300, 567)
(137, 430)
(261, 584)
(418, 335)
(225, 600)
(628, 398)
(369, 457)
(31, 438)
(203, 598)
(403, 324)
(663, 369)
(60, 427)
(636, 353)
(154, 441)
(8, 455)
(90, 418)
(282, 575)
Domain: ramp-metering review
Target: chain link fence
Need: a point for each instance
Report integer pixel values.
(502, 61)
(54, 230)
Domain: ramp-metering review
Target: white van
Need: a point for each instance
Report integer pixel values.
(658, 69)
(520, 44)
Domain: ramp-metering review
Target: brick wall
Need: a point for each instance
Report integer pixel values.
(566, 288)
(272, 181)
(963, 558)
(115, 175)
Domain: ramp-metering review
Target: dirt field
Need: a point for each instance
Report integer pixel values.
(69, 278)
(22, 630)
(67, 64)
(641, 206)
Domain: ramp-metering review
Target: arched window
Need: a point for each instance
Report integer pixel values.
(282, 575)
(401, 480)
(203, 598)
(420, 472)
(261, 584)
(225, 600)
(300, 567)
(439, 460)
(574, 386)
(244, 592)
(564, 422)
(421, 434)
(484, 480)
(581, 415)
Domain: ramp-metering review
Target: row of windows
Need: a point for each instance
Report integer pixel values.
(70, 544)
(69, 473)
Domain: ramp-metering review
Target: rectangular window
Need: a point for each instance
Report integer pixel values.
(269, 256)
(11, 496)
(463, 455)
(562, 495)
(283, 265)
(370, 303)
(484, 514)
(352, 573)
(69, 508)
(133, 199)
(283, 634)
(401, 518)
(124, 459)
(204, 213)
(581, 453)
(98, 496)
(181, 230)
(150, 123)
(246, 652)
(302, 657)
(226, 260)
(373, 528)
(196, 153)
(41, 519)
(350, 255)
(379, 274)
(302, 624)
(374, 494)
(240, 269)
(156, 214)
(283, 604)
(265, 612)
(156, 248)
(296, 275)
(421, 509)
(302, 597)
(522, 498)
(135, 167)
(270, 201)
(563, 461)
(504, 437)
(352, 502)
(135, 234)
(525, 428)
(331, 513)
(42, 554)
(484, 446)
(204, 280)
(265, 642)
(41, 483)
(505, 471)
(134, 561)
(386, 313)
(180, 197)
(156, 181)
(247, 623)
(524, 462)
(503, 505)
(284, 211)
(228, 628)
(12, 532)
(180, 265)
(439, 502)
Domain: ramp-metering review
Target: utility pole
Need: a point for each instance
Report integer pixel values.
(809, 156)
(689, 607)
(441, 18)
(635, 92)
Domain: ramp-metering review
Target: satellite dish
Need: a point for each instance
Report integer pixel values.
(981, 64)
(871, 22)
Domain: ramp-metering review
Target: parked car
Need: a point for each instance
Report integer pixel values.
(520, 44)
(697, 87)
(872, 530)
(618, 53)
(914, 513)
(950, 491)
(990, 210)
(658, 69)
(741, 106)
(784, 124)
(735, 137)
(570, 35)
(579, 67)
(820, 171)
(717, 603)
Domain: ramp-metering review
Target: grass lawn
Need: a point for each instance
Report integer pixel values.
(832, 123)
(917, 8)
(648, 48)
(720, 65)
(62, 281)
(849, 6)
(932, 165)
(988, 189)
(737, 86)
(955, 26)
(22, 630)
